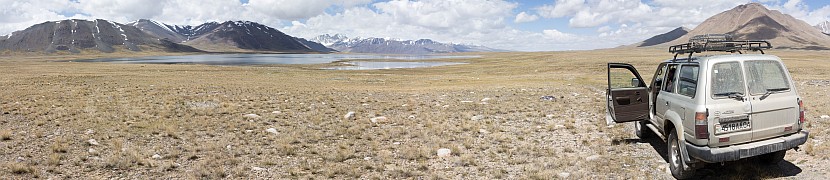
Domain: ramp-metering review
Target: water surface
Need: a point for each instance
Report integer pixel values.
(408, 61)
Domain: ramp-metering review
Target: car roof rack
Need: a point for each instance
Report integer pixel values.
(717, 42)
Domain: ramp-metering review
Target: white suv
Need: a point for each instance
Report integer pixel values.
(712, 108)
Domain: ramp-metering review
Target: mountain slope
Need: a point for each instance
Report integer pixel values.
(315, 46)
(753, 21)
(247, 36)
(664, 38)
(389, 46)
(157, 29)
(76, 35)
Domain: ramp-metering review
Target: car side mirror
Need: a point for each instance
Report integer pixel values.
(635, 82)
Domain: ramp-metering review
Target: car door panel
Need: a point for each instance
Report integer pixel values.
(626, 103)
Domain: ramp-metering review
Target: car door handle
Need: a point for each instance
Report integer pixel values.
(667, 103)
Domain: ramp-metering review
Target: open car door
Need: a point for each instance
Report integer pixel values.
(628, 95)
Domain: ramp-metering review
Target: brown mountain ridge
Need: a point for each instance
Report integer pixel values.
(753, 21)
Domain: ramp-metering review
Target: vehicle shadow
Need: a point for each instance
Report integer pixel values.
(750, 168)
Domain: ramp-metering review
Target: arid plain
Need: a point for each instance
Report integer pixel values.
(61, 119)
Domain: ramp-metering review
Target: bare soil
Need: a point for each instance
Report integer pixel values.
(71, 120)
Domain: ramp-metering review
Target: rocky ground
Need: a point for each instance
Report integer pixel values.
(503, 116)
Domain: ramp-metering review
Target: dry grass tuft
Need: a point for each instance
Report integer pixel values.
(19, 168)
(5, 135)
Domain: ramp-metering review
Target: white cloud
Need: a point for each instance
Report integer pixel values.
(290, 9)
(121, 10)
(801, 10)
(524, 17)
(561, 8)
(558, 36)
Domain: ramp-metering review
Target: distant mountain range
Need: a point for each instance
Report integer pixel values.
(393, 46)
(824, 27)
(76, 35)
(665, 37)
(106, 36)
(753, 21)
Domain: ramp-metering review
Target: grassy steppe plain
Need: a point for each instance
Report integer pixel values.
(189, 121)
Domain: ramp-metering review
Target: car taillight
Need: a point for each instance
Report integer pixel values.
(701, 125)
(801, 112)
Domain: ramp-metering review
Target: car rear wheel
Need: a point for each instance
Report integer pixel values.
(773, 157)
(679, 168)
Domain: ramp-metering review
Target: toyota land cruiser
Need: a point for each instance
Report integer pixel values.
(712, 108)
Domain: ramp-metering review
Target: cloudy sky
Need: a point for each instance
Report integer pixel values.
(525, 25)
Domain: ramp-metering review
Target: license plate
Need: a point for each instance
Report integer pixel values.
(732, 127)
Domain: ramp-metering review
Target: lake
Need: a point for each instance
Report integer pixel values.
(407, 61)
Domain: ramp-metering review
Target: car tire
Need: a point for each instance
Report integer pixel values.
(679, 168)
(642, 131)
(773, 157)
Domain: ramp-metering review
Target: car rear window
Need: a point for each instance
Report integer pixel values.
(727, 78)
(765, 75)
(688, 80)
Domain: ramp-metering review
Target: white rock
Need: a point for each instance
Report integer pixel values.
(367, 158)
(92, 142)
(445, 106)
(411, 117)
(575, 94)
(257, 168)
(252, 116)
(276, 112)
(378, 119)
(349, 115)
(549, 116)
(485, 99)
(592, 158)
(89, 131)
(466, 101)
(483, 131)
(271, 130)
(249, 131)
(564, 175)
(444, 152)
(92, 151)
(156, 156)
(825, 117)
(396, 143)
(477, 117)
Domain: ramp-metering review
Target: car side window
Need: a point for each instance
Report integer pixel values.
(727, 79)
(657, 81)
(687, 85)
(670, 78)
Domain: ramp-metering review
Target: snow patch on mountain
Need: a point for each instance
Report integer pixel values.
(824, 27)
(387, 45)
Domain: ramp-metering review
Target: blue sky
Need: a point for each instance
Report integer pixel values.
(522, 25)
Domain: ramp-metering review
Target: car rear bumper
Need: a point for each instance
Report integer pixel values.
(731, 153)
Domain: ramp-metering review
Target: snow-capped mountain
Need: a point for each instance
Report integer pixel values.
(229, 36)
(824, 27)
(328, 40)
(75, 35)
(394, 46)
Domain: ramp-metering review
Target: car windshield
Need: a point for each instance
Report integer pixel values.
(765, 76)
(727, 79)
